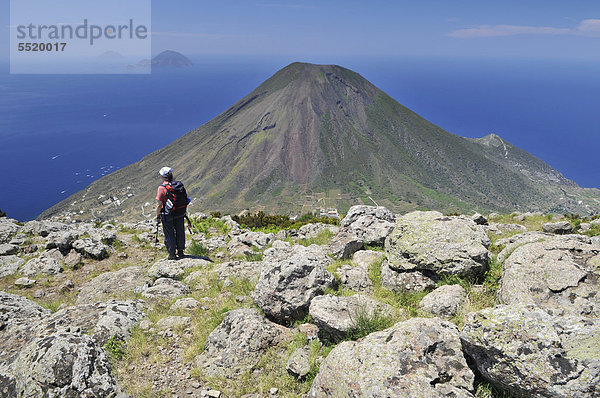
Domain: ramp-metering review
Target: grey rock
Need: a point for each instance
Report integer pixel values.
(90, 248)
(298, 364)
(18, 309)
(557, 274)
(372, 224)
(244, 242)
(595, 221)
(562, 227)
(430, 241)
(46, 265)
(62, 240)
(445, 301)
(8, 249)
(122, 282)
(166, 288)
(54, 254)
(185, 304)
(479, 219)
(24, 282)
(238, 270)
(286, 287)
(364, 258)
(73, 259)
(100, 320)
(416, 358)
(344, 245)
(7, 230)
(63, 364)
(237, 343)
(355, 278)
(403, 282)
(338, 315)
(585, 227)
(175, 269)
(500, 229)
(43, 228)
(174, 322)
(527, 352)
(309, 231)
(9, 265)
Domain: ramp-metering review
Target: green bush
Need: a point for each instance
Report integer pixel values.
(115, 347)
(197, 249)
(2, 214)
(276, 222)
(365, 324)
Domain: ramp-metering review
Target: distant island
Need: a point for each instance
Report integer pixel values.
(166, 59)
(111, 55)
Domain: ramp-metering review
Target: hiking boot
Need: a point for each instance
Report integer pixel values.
(180, 254)
(172, 257)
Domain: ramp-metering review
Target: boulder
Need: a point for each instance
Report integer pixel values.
(7, 230)
(479, 219)
(90, 248)
(298, 364)
(372, 224)
(185, 304)
(238, 342)
(500, 229)
(24, 282)
(174, 322)
(62, 240)
(557, 274)
(42, 358)
(238, 270)
(175, 269)
(102, 321)
(408, 281)
(9, 265)
(43, 228)
(421, 357)
(46, 265)
(166, 288)
(445, 301)
(73, 259)
(338, 315)
(309, 231)
(344, 245)
(430, 241)
(528, 353)
(243, 243)
(286, 287)
(8, 249)
(355, 278)
(63, 364)
(123, 282)
(562, 227)
(365, 258)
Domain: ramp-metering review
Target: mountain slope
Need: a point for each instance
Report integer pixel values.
(316, 136)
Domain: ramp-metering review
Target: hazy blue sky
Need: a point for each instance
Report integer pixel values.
(471, 28)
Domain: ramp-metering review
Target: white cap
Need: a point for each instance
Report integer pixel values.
(165, 171)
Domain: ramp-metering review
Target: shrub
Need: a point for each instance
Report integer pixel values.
(365, 324)
(276, 222)
(115, 347)
(197, 249)
(2, 214)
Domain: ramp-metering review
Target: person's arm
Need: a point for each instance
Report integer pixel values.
(159, 207)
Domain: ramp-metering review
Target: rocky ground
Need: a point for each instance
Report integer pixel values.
(419, 305)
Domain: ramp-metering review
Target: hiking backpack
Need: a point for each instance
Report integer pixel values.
(176, 197)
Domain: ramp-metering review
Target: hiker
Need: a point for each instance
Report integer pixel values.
(171, 211)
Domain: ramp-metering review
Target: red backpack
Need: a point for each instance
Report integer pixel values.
(177, 200)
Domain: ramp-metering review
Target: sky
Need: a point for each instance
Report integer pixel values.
(547, 29)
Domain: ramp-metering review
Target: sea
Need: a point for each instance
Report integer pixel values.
(59, 133)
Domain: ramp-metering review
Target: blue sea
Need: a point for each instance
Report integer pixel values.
(58, 133)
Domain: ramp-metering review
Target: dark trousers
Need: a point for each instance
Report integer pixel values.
(174, 230)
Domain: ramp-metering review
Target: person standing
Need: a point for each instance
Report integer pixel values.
(171, 210)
